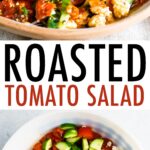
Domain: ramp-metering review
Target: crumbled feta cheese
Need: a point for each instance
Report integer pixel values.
(121, 8)
(109, 144)
(97, 20)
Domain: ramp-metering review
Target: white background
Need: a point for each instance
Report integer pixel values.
(136, 123)
(87, 57)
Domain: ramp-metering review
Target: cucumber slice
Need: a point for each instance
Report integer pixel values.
(73, 140)
(91, 148)
(97, 144)
(85, 144)
(67, 126)
(63, 20)
(47, 144)
(130, 1)
(70, 133)
(75, 147)
(63, 146)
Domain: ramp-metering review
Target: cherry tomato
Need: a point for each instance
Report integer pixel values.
(58, 131)
(77, 2)
(6, 8)
(85, 132)
(43, 9)
(37, 146)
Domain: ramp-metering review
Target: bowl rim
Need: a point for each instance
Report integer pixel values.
(36, 31)
(107, 122)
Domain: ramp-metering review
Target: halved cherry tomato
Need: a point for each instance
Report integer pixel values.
(86, 132)
(59, 131)
(37, 146)
(44, 9)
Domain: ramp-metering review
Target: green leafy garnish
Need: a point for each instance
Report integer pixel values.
(52, 22)
(25, 11)
(65, 3)
(75, 147)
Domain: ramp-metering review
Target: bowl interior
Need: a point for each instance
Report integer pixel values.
(30, 133)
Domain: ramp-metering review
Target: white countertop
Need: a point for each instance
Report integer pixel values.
(135, 122)
(140, 31)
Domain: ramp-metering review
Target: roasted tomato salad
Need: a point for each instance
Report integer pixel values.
(71, 137)
(67, 13)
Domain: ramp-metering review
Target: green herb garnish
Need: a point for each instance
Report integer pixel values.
(25, 11)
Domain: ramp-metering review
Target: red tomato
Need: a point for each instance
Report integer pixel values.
(6, 8)
(13, 9)
(37, 146)
(43, 9)
(54, 147)
(57, 135)
(85, 132)
(59, 131)
(77, 2)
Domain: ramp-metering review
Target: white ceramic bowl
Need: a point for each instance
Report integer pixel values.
(31, 132)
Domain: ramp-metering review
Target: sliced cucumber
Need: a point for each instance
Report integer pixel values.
(63, 146)
(85, 144)
(97, 144)
(70, 133)
(63, 20)
(75, 147)
(130, 1)
(67, 126)
(91, 148)
(47, 144)
(73, 140)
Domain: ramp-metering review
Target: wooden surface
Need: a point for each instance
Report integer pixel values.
(140, 31)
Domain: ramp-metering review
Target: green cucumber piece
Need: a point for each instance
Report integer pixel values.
(70, 133)
(47, 144)
(97, 144)
(63, 20)
(64, 17)
(65, 3)
(91, 148)
(63, 146)
(73, 140)
(85, 144)
(75, 147)
(130, 1)
(67, 126)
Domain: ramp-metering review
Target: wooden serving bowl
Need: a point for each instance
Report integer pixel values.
(36, 32)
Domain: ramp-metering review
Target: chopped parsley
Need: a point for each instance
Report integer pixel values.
(25, 11)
